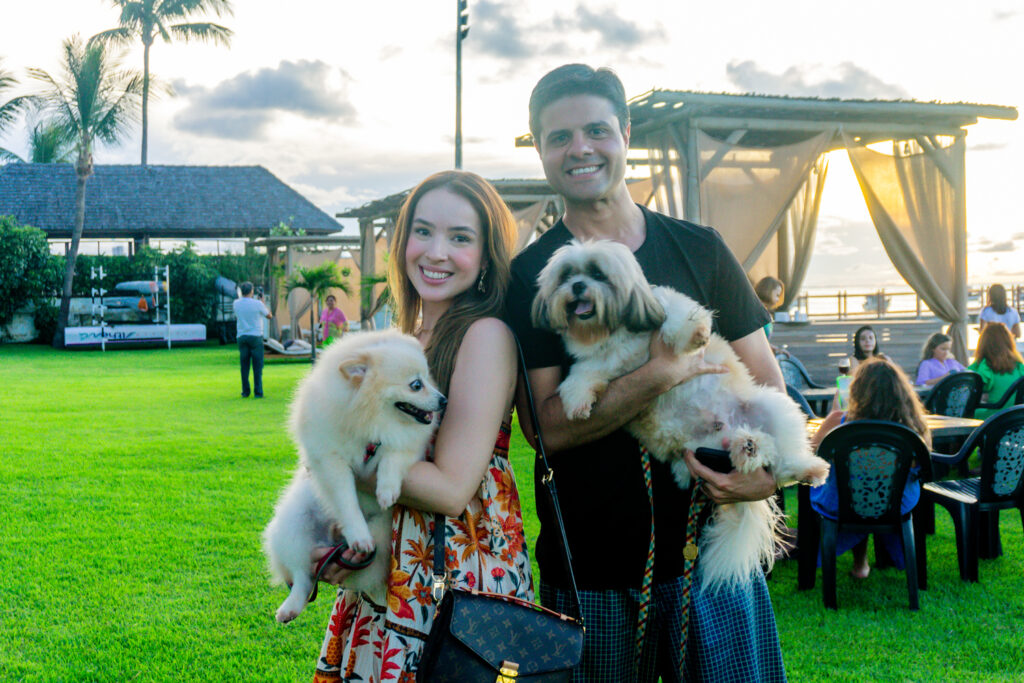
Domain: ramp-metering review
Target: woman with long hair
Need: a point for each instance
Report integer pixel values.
(998, 362)
(771, 291)
(879, 391)
(865, 345)
(448, 272)
(937, 360)
(997, 311)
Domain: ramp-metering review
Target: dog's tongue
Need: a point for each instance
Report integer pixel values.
(584, 307)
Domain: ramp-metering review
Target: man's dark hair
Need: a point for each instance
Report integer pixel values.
(246, 288)
(577, 79)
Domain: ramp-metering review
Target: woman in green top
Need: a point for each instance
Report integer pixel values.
(998, 362)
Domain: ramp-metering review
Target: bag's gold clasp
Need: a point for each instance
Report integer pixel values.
(508, 672)
(438, 586)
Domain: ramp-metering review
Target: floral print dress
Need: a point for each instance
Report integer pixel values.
(484, 549)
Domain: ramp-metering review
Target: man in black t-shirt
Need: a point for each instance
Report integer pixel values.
(580, 125)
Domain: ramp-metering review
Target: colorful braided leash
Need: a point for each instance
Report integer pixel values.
(698, 502)
(645, 586)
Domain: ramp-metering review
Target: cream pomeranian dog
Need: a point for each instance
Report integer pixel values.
(595, 296)
(367, 406)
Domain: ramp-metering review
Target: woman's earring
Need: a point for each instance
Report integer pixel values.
(480, 286)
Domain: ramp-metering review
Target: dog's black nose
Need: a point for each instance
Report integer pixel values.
(443, 402)
(578, 288)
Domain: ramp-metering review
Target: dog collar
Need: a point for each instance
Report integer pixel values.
(371, 450)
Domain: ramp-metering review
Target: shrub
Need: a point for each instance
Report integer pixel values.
(26, 268)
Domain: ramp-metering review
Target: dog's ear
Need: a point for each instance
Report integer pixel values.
(539, 312)
(354, 369)
(643, 311)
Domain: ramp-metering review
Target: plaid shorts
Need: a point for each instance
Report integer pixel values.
(732, 634)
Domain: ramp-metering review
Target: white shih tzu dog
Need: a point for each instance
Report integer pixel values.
(595, 296)
(367, 406)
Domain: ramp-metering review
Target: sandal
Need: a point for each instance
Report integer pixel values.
(335, 556)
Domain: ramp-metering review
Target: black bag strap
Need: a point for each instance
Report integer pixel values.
(547, 478)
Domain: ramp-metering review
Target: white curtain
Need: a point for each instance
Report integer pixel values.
(789, 253)
(916, 200)
(746, 191)
(528, 219)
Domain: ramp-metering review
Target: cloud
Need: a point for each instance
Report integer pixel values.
(242, 107)
(997, 247)
(615, 32)
(987, 146)
(1005, 15)
(497, 30)
(846, 80)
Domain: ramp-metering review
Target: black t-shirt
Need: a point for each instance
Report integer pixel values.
(600, 484)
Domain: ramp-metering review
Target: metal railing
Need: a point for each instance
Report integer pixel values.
(889, 303)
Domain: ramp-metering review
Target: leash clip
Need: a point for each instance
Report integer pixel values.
(438, 587)
(548, 476)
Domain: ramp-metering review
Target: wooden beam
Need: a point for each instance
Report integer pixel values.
(693, 208)
(730, 142)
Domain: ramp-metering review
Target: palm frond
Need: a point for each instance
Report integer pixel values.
(9, 157)
(205, 32)
(122, 35)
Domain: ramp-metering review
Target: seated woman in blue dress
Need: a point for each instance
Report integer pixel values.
(879, 391)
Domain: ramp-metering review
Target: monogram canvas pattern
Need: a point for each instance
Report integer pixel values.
(480, 633)
(871, 471)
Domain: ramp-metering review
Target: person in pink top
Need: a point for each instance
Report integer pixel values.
(332, 320)
(937, 360)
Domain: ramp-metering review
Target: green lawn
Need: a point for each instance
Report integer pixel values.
(134, 486)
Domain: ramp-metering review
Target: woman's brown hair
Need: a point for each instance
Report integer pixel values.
(997, 298)
(997, 348)
(881, 391)
(498, 232)
(765, 289)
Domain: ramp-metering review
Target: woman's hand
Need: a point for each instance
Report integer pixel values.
(334, 574)
(734, 487)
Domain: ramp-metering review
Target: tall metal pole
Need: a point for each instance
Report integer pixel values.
(461, 29)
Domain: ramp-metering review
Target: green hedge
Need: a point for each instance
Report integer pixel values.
(28, 274)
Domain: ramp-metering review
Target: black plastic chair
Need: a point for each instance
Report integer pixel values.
(871, 460)
(799, 399)
(794, 372)
(975, 503)
(955, 395)
(1016, 392)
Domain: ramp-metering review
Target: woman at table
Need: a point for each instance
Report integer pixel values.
(998, 362)
(865, 345)
(937, 360)
(879, 391)
(770, 291)
(998, 312)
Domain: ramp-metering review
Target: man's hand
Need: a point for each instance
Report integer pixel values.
(734, 487)
(679, 368)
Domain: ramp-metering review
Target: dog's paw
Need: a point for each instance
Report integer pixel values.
(285, 615)
(359, 538)
(817, 473)
(681, 473)
(746, 451)
(578, 411)
(700, 337)
(387, 496)
(577, 400)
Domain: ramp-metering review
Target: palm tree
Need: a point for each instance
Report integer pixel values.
(93, 100)
(50, 143)
(318, 281)
(10, 110)
(147, 19)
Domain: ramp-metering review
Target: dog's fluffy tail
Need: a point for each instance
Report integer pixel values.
(738, 538)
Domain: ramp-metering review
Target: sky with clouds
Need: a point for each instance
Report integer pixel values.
(348, 102)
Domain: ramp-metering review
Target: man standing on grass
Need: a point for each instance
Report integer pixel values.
(580, 125)
(250, 312)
